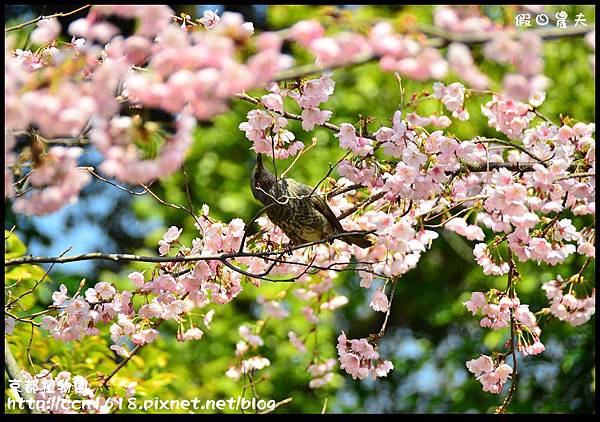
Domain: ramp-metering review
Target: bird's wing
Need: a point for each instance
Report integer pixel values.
(301, 190)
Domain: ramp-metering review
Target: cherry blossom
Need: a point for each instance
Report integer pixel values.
(356, 358)
(379, 302)
(492, 376)
(568, 307)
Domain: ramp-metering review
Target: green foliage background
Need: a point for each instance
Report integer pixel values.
(430, 334)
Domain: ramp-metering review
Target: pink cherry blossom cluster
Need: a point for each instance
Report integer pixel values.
(491, 376)
(508, 116)
(433, 120)
(115, 138)
(484, 258)
(349, 140)
(462, 19)
(186, 72)
(460, 226)
(267, 131)
(47, 30)
(269, 134)
(60, 103)
(125, 330)
(296, 342)
(169, 237)
(340, 48)
(209, 19)
(529, 341)
(406, 56)
(398, 245)
(357, 357)
(567, 306)
(321, 373)
(174, 296)
(273, 308)
(57, 181)
(496, 315)
(453, 97)
(199, 69)
(461, 61)
(193, 333)
(309, 96)
(253, 363)
(396, 139)
(78, 315)
(525, 52)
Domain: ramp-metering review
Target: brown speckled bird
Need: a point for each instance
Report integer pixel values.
(302, 217)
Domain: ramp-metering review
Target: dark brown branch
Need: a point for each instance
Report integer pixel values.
(121, 364)
(480, 140)
(514, 167)
(513, 346)
(116, 257)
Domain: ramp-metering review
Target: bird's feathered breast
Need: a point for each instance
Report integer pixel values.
(302, 191)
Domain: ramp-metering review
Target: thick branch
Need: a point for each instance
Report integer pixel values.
(14, 372)
(443, 38)
(310, 69)
(140, 258)
(447, 37)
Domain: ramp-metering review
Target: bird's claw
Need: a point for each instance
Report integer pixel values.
(287, 249)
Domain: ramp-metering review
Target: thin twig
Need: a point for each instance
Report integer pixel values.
(480, 139)
(9, 305)
(96, 175)
(389, 310)
(300, 154)
(361, 205)
(39, 18)
(280, 403)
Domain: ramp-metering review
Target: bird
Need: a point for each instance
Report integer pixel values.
(295, 208)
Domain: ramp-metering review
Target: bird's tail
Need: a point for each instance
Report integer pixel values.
(359, 240)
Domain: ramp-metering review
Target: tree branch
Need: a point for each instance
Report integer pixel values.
(116, 257)
(443, 38)
(513, 347)
(39, 18)
(472, 167)
(14, 372)
(447, 37)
